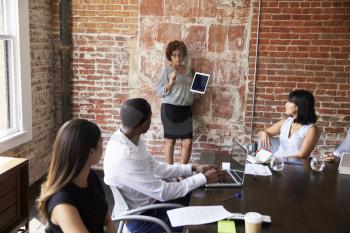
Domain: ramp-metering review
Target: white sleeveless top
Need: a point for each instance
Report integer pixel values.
(291, 145)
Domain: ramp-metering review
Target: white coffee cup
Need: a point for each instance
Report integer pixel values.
(253, 222)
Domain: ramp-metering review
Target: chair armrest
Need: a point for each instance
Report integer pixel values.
(144, 218)
(153, 206)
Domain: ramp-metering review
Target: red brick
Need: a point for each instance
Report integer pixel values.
(201, 107)
(236, 37)
(195, 37)
(151, 7)
(217, 38)
(168, 32)
(228, 73)
(177, 8)
(147, 35)
(203, 65)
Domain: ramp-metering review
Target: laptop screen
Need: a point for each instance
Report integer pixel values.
(238, 158)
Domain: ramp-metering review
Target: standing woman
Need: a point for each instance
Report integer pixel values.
(72, 198)
(176, 114)
(297, 134)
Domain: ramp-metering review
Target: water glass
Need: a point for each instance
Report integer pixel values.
(317, 162)
(277, 163)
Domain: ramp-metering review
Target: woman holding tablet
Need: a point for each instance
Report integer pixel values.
(297, 134)
(173, 88)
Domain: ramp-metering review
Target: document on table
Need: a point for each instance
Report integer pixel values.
(257, 169)
(196, 215)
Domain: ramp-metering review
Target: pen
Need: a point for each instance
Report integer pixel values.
(236, 195)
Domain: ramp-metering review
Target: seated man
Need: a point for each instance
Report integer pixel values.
(138, 175)
(343, 147)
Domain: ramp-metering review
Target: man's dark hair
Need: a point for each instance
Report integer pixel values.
(134, 112)
(306, 106)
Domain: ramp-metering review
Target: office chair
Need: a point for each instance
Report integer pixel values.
(121, 212)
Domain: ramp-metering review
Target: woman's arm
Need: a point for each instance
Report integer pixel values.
(270, 132)
(309, 143)
(68, 218)
(165, 83)
(109, 226)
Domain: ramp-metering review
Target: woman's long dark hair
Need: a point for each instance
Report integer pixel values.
(71, 150)
(306, 106)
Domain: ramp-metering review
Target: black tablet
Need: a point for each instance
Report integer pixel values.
(199, 83)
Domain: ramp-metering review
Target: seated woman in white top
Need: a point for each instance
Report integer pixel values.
(297, 134)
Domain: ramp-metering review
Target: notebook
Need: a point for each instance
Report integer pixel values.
(234, 176)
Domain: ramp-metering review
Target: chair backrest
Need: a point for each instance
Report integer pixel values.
(120, 206)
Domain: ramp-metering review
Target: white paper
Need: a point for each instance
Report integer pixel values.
(196, 215)
(263, 155)
(225, 166)
(253, 159)
(257, 170)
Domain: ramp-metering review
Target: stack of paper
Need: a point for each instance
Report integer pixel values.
(197, 215)
(257, 170)
(262, 156)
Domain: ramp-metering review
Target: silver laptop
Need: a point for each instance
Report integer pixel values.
(233, 177)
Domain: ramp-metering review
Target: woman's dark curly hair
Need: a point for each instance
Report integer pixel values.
(175, 45)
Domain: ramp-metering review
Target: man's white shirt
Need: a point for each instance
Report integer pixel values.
(138, 175)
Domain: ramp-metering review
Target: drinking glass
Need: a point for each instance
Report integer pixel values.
(317, 163)
(277, 163)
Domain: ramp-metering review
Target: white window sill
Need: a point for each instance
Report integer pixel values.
(11, 141)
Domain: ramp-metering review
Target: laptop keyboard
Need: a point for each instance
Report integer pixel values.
(226, 177)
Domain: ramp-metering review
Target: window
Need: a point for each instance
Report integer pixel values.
(15, 76)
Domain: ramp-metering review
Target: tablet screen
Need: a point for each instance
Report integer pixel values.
(200, 82)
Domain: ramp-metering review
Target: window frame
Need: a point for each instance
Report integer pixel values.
(17, 24)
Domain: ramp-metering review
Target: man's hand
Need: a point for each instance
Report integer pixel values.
(203, 168)
(212, 176)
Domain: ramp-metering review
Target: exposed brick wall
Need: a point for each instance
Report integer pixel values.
(104, 41)
(43, 104)
(303, 45)
(119, 49)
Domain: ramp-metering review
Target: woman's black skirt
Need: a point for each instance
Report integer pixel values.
(177, 121)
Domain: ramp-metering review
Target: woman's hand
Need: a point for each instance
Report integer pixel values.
(329, 157)
(172, 78)
(265, 139)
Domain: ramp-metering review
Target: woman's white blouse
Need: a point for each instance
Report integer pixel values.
(291, 145)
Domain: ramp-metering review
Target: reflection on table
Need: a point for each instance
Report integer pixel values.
(297, 199)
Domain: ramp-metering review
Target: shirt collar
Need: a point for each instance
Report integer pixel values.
(124, 139)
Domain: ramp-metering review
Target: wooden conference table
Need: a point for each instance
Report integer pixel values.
(298, 200)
